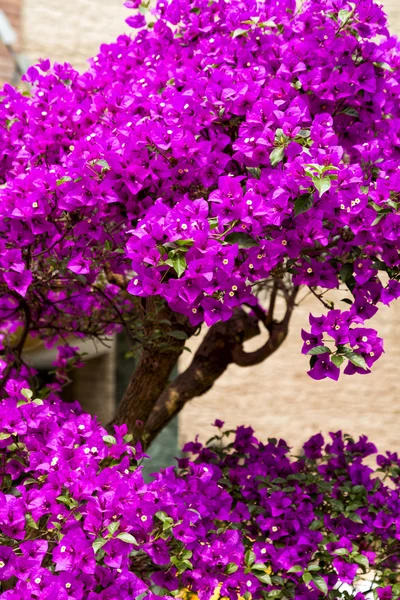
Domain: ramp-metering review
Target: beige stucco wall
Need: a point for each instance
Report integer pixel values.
(276, 398)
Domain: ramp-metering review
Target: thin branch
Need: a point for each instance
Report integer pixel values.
(278, 331)
(319, 297)
(115, 278)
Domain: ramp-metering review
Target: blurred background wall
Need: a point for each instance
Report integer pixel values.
(277, 398)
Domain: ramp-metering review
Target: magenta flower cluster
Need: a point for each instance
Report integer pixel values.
(225, 144)
(77, 521)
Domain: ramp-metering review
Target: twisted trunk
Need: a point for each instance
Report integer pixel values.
(151, 401)
(148, 381)
(212, 358)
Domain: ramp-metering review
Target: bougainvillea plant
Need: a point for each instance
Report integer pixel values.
(244, 520)
(205, 169)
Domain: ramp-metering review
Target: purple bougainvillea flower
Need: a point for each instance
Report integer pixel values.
(18, 281)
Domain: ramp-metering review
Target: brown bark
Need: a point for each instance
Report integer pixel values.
(210, 361)
(152, 373)
(151, 400)
(147, 384)
(222, 346)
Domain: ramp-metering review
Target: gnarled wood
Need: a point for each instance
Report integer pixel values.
(153, 401)
(210, 361)
(151, 375)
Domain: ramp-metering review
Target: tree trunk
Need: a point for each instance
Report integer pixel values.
(148, 381)
(153, 401)
(151, 376)
(209, 363)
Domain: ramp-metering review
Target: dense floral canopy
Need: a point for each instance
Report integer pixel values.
(77, 521)
(223, 145)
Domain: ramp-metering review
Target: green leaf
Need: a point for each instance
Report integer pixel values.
(322, 185)
(249, 558)
(357, 360)
(346, 271)
(180, 265)
(65, 500)
(112, 528)
(188, 242)
(362, 560)
(27, 393)
(183, 566)
(383, 65)
(179, 335)
(350, 111)
(239, 32)
(319, 350)
(306, 577)
(163, 516)
(10, 123)
(254, 172)
(320, 583)
(30, 521)
(356, 518)
(304, 133)
(258, 567)
(109, 439)
(315, 525)
(63, 180)
(4, 436)
(303, 203)
(98, 543)
(396, 590)
(378, 219)
(344, 16)
(341, 552)
(103, 164)
(264, 578)
(313, 567)
(244, 240)
(231, 568)
(295, 569)
(337, 361)
(127, 537)
(276, 156)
